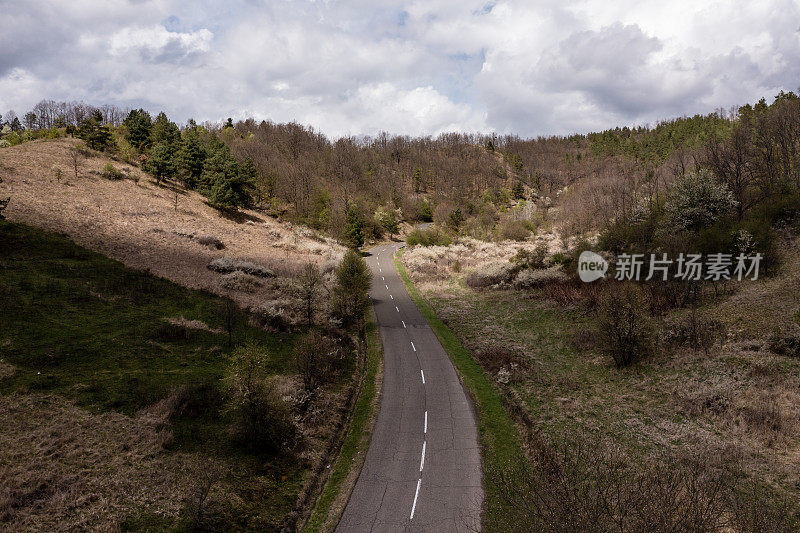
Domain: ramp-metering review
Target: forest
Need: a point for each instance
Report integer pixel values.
(491, 187)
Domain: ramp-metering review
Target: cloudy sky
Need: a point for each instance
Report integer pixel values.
(414, 67)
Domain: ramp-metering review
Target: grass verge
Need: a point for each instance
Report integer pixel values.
(354, 447)
(500, 442)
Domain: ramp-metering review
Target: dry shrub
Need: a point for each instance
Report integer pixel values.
(708, 399)
(625, 329)
(211, 241)
(317, 357)
(503, 363)
(694, 331)
(532, 279)
(513, 230)
(226, 265)
(274, 315)
(496, 274)
(239, 281)
(765, 418)
(786, 342)
(572, 291)
(203, 508)
(592, 487)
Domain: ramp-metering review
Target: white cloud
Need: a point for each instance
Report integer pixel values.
(417, 67)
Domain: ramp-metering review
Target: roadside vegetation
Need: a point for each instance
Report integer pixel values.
(152, 406)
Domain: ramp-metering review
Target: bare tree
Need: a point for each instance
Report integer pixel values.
(75, 157)
(310, 287)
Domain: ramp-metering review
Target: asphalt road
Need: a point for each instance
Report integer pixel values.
(422, 471)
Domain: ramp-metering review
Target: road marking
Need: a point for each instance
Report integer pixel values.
(392, 297)
(426, 419)
(398, 309)
(423, 382)
(422, 461)
(414, 507)
(380, 270)
(383, 279)
(404, 323)
(414, 347)
(387, 287)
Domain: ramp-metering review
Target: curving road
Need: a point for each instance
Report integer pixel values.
(422, 471)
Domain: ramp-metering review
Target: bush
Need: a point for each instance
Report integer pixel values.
(531, 279)
(625, 329)
(513, 230)
(786, 342)
(695, 331)
(111, 172)
(496, 274)
(427, 237)
(525, 258)
(696, 200)
(211, 241)
(225, 265)
(315, 358)
(262, 419)
(239, 281)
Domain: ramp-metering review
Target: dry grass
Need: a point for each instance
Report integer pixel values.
(720, 386)
(74, 470)
(138, 223)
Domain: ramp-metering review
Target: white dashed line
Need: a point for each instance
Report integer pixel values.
(422, 461)
(426, 421)
(387, 287)
(414, 507)
(423, 382)
(379, 270)
(404, 323)
(398, 309)
(414, 347)
(392, 297)
(383, 279)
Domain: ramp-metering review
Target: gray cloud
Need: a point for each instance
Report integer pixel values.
(418, 67)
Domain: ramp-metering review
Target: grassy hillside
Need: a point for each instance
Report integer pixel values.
(117, 377)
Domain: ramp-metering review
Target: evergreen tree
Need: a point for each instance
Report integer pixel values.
(191, 156)
(349, 298)
(15, 124)
(92, 130)
(137, 129)
(30, 120)
(518, 191)
(165, 131)
(226, 183)
(353, 234)
(161, 163)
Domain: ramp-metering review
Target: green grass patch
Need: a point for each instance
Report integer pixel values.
(80, 325)
(500, 442)
(355, 441)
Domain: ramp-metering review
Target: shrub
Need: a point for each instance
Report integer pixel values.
(225, 265)
(695, 331)
(625, 329)
(495, 359)
(272, 315)
(531, 279)
(513, 230)
(786, 342)
(211, 241)
(111, 172)
(427, 237)
(239, 281)
(525, 258)
(696, 200)
(315, 357)
(496, 274)
(262, 419)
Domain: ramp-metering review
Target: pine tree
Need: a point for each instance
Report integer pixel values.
(191, 156)
(137, 129)
(161, 163)
(96, 135)
(165, 131)
(349, 299)
(353, 235)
